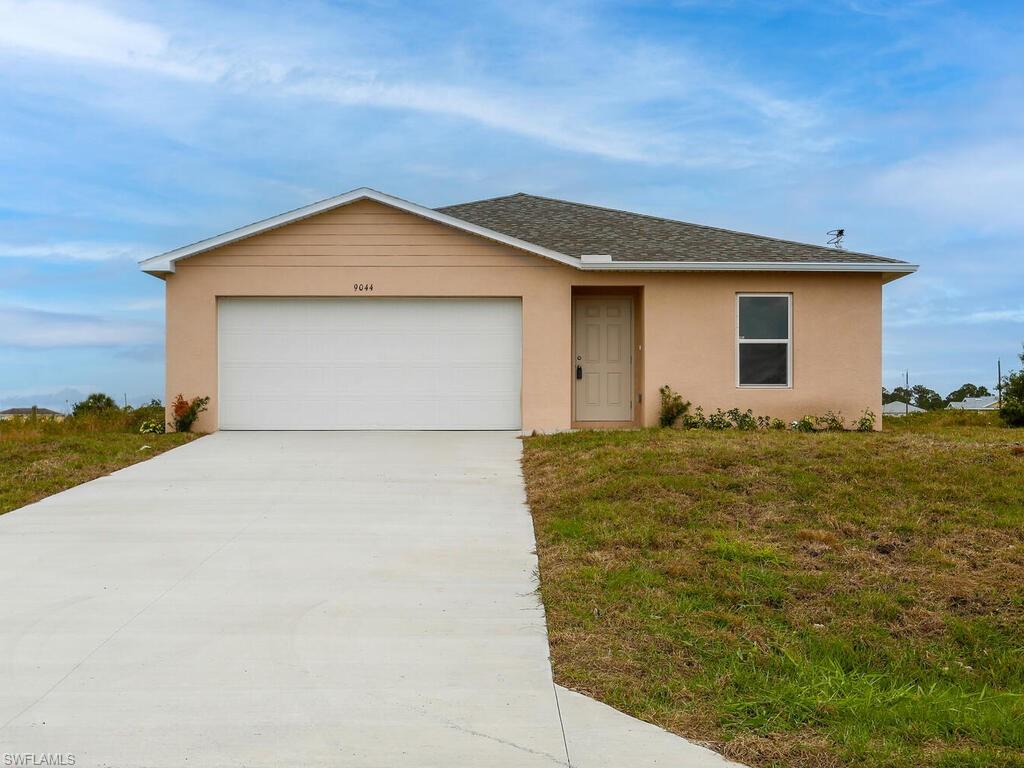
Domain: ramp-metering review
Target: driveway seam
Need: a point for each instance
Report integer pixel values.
(561, 722)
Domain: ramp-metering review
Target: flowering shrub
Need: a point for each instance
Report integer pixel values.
(803, 424)
(186, 412)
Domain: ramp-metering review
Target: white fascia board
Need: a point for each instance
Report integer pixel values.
(747, 266)
(165, 261)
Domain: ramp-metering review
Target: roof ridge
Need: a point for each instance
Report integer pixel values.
(489, 200)
(687, 223)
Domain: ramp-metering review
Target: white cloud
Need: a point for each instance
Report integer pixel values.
(979, 187)
(74, 251)
(588, 101)
(88, 33)
(31, 327)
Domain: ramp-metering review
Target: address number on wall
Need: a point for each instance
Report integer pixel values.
(362, 287)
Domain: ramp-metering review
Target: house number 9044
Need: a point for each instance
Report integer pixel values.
(362, 287)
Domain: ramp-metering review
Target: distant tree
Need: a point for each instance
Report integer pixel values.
(1012, 410)
(965, 391)
(897, 395)
(926, 398)
(94, 403)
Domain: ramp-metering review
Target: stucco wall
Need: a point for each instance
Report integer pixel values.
(688, 317)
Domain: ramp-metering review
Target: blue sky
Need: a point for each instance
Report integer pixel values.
(127, 129)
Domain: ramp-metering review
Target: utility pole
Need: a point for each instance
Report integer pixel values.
(999, 382)
(906, 386)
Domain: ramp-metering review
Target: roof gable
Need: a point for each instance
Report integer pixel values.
(165, 261)
(573, 233)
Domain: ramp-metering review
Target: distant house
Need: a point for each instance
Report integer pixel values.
(985, 403)
(41, 413)
(897, 408)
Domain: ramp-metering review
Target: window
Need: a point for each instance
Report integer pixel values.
(764, 343)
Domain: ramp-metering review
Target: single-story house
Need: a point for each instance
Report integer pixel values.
(366, 311)
(983, 403)
(26, 413)
(899, 408)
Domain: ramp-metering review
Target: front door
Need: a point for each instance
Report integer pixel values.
(603, 358)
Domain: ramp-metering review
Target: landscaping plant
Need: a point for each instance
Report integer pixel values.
(672, 406)
(185, 412)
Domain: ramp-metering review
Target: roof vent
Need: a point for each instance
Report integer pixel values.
(596, 258)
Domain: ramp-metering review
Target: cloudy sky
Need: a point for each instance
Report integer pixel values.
(130, 128)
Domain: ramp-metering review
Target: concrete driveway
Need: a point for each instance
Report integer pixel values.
(320, 598)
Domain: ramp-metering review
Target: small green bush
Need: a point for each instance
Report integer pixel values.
(743, 420)
(866, 422)
(1012, 413)
(672, 406)
(718, 420)
(830, 422)
(1012, 409)
(804, 424)
(152, 427)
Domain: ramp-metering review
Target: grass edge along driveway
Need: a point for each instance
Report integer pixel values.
(36, 463)
(794, 599)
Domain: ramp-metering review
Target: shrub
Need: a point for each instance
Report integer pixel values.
(672, 406)
(718, 420)
(186, 412)
(830, 422)
(695, 420)
(152, 427)
(866, 422)
(743, 420)
(1012, 413)
(803, 424)
(1012, 409)
(776, 424)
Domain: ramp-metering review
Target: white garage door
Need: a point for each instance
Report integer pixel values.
(369, 363)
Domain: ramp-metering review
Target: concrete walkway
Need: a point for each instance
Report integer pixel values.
(265, 599)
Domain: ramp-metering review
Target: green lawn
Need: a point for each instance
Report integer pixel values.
(829, 599)
(40, 459)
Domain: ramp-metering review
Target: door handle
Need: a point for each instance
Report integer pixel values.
(579, 371)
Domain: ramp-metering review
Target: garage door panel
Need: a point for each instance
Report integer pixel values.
(354, 363)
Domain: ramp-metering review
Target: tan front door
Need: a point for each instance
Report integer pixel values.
(603, 358)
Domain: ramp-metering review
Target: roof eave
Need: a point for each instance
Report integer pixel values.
(163, 264)
(898, 269)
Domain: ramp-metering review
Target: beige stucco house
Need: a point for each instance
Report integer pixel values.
(366, 311)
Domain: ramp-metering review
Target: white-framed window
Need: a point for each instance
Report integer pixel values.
(764, 340)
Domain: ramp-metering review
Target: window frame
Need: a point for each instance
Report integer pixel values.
(788, 341)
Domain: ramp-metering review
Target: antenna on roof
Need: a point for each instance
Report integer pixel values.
(835, 237)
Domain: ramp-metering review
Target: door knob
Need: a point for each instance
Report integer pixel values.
(579, 371)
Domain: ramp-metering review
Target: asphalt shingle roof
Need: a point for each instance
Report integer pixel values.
(576, 229)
